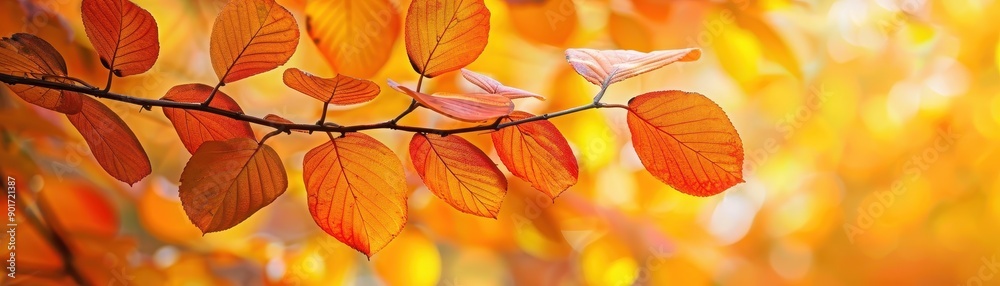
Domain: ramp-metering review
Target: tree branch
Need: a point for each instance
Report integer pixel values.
(391, 124)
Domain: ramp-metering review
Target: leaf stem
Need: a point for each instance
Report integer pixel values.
(287, 127)
(212, 95)
(111, 74)
(413, 103)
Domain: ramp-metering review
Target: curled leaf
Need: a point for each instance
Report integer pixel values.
(197, 127)
(355, 36)
(226, 182)
(493, 86)
(459, 173)
(538, 153)
(686, 141)
(357, 191)
(252, 37)
(124, 35)
(445, 35)
(340, 90)
(465, 107)
(29, 56)
(598, 66)
(282, 120)
(111, 141)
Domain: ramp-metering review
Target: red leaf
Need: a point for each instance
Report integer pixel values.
(357, 191)
(339, 90)
(464, 107)
(29, 56)
(686, 141)
(617, 65)
(538, 153)
(197, 127)
(124, 35)
(495, 87)
(112, 142)
(226, 182)
(459, 173)
(356, 37)
(251, 37)
(282, 120)
(445, 35)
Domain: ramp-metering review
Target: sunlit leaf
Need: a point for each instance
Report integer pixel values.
(355, 36)
(459, 173)
(29, 56)
(197, 127)
(112, 142)
(340, 90)
(687, 141)
(465, 107)
(251, 37)
(282, 120)
(124, 35)
(357, 191)
(226, 182)
(493, 86)
(445, 35)
(617, 65)
(538, 153)
(771, 41)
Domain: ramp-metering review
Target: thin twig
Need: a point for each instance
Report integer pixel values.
(284, 127)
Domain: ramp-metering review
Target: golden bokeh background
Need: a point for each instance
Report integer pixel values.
(870, 129)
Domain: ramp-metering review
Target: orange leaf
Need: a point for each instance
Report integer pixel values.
(252, 37)
(613, 66)
(112, 142)
(123, 34)
(538, 153)
(493, 86)
(197, 127)
(445, 35)
(464, 107)
(355, 36)
(459, 173)
(282, 120)
(340, 90)
(226, 182)
(357, 191)
(686, 141)
(29, 56)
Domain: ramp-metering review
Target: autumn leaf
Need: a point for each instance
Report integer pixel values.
(357, 191)
(613, 66)
(778, 50)
(538, 153)
(459, 173)
(197, 127)
(226, 182)
(29, 56)
(465, 107)
(687, 141)
(355, 36)
(339, 90)
(493, 86)
(282, 120)
(111, 141)
(252, 37)
(124, 35)
(445, 35)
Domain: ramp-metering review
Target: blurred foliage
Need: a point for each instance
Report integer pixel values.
(870, 129)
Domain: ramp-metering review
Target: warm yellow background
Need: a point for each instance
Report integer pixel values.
(869, 127)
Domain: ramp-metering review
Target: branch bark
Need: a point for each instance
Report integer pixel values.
(391, 124)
